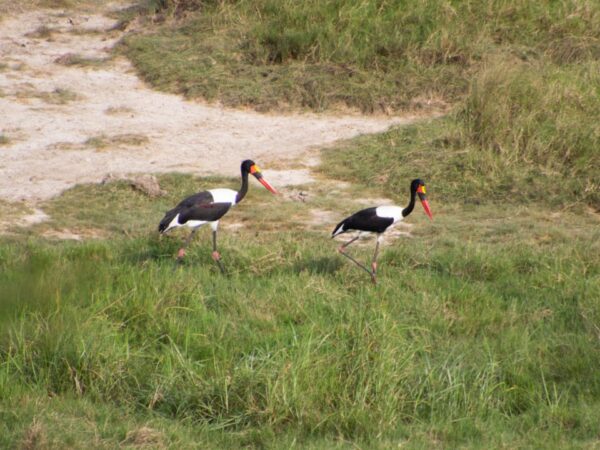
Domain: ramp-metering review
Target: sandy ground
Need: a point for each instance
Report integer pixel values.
(53, 116)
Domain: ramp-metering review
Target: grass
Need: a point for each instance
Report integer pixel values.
(73, 59)
(368, 55)
(482, 331)
(4, 140)
(10, 7)
(544, 122)
(128, 139)
(119, 110)
(41, 32)
(11, 210)
(58, 96)
(523, 130)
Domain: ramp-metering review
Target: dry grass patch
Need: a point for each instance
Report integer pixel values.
(42, 32)
(74, 59)
(4, 140)
(66, 146)
(59, 96)
(11, 209)
(118, 111)
(15, 65)
(119, 140)
(18, 6)
(35, 437)
(144, 437)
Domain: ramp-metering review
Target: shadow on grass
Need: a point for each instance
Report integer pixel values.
(150, 248)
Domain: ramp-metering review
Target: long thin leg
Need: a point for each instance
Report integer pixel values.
(181, 252)
(343, 247)
(215, 254)
(374, 262)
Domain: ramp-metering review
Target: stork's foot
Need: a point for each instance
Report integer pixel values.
(181, 254)
(217, 258)
(341, 249)
(374, 272)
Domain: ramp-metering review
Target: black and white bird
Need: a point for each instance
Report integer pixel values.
(378, 220)
(208, 207)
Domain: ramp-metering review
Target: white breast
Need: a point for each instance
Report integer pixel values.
(392, 212)
(223, 195)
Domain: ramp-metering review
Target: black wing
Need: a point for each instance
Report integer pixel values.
(199, 206)
(208, 212)
(201, 198)
(364, 220)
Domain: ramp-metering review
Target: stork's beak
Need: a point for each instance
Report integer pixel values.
(254, 170)
(424, 202)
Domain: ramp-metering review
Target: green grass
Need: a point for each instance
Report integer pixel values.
(488, 151)
(369, 55)
(482, 330)
(532, 118)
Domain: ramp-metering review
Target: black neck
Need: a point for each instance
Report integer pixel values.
(406, 211)
(244, 189)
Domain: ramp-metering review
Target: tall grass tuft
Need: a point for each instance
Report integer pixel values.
(541, 117)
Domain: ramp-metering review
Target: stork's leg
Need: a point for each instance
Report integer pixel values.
(342, 251)
(215, 254)
(181, 252)
(374, 262)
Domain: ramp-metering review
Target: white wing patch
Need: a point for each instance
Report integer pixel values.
(223, 195)
(189, 224)
(392, 212)
(174, 223)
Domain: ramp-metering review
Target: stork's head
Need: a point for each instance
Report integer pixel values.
(418, 186)
(249, 166)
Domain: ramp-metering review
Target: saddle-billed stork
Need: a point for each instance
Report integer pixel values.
(208, 207)
(378, 220)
